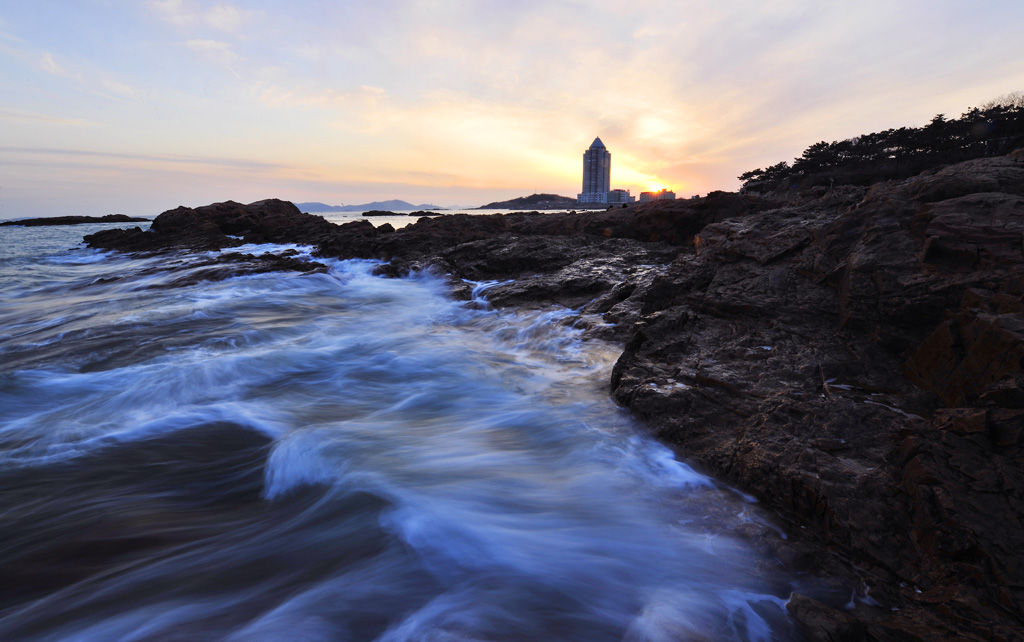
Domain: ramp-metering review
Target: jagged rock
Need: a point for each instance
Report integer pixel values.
(774, 356)
(976, 231)
(966, 354)
(824, 624)
(355, 240)
(217, 226)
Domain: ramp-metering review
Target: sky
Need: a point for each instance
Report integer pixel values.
(135, 107)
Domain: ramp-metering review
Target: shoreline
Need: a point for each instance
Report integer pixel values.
(851, 357)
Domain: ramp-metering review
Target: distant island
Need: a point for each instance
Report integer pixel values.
(77, 220)
(393, 204)
(417, 213)
(534, 202)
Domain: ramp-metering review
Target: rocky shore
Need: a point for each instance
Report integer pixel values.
(851, 357)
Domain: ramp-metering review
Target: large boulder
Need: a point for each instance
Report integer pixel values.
(217, 226)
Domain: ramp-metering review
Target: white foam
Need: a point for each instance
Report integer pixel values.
(507, 473)
(296, 461)
(751, 626)
(80, 256)
(659, 467)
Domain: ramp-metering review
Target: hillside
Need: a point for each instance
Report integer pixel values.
(993, 129)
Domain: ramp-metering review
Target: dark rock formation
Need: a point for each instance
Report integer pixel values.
(670, 222)
(857, 362)
(853, 357)
(823, 624)
(568, 258)
(217, 226)
(76, 220)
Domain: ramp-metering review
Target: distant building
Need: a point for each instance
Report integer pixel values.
(662, 195)
(620, 197)
(597, 172)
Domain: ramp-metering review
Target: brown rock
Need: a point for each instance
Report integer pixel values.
(963, 421)
(773, 355)
(1007, 427)
(967, 354)
(976, 230)
(823, 624)
(217, 226)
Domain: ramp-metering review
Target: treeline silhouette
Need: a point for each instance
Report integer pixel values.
(995, 128)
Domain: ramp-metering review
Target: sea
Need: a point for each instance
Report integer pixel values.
(334, 457)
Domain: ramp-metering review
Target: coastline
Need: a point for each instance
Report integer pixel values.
(851, 357)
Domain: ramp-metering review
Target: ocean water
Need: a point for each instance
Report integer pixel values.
(401, 218)
(335, 457)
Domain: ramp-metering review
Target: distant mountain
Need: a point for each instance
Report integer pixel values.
(533, 202)
(320, 207)
(393, 204)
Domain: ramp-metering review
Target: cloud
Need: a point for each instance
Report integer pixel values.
(10, 114)
(223, 17)
(174, 12)
(226, 163)
(687, 92)
(215, 51)
(107, 86)
(228, 18)
(119, 89)
(50, 66)
(365, 98)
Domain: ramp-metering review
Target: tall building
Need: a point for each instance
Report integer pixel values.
(597, 173)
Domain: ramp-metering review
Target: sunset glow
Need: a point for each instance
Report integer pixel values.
(139, 107)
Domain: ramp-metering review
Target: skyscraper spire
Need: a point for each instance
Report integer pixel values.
(597, 170)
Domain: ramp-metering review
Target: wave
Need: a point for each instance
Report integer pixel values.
(339, 456)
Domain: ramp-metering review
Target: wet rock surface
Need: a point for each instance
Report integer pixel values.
(853, 358)
(857, 364)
